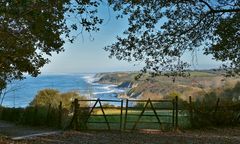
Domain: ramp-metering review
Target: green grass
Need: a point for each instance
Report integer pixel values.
(165, 117)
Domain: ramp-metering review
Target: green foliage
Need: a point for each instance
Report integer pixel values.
(140, 105)
(46, 97)
(161, 32)
(29, 30)
(82, 119)
(226, 46)
(44, 110)
(218, 109)
(53, 97)
(33, 116)
(68, 97)
(10, 114)
(172, 95)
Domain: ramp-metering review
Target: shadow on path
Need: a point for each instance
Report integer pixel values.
(22, 132)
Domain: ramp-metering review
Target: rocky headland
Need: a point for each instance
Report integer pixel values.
(197, 85)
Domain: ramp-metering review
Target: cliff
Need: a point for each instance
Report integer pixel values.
(197, 84)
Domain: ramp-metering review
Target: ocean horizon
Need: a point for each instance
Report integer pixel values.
(23, 92)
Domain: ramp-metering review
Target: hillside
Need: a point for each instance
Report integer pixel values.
(197, 85)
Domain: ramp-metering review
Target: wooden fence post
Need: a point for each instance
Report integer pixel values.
(76, 113)
(121, 115)
(176, 107)
(215, 111)
(60, 115)
(191, 110)
(74, 121)
(217, 105)
(173, 113)
(125, 119)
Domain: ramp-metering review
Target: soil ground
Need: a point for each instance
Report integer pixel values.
(209, 136)
(217, 136)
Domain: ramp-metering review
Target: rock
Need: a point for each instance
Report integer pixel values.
(126, 84)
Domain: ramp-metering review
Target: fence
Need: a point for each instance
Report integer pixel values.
(217, 112)
(34, 116)
(131, 115)
(98, 113)
(125, 115)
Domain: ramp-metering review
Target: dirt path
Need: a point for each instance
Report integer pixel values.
(16, 131)
(214, 136)
(210, 136)
(93, 137)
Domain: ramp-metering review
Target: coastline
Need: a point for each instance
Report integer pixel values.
(84, 83)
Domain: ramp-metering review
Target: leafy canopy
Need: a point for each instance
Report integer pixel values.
(159, 32)
(53, 97)
(32, 30)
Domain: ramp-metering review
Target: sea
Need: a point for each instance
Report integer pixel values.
(21, 93)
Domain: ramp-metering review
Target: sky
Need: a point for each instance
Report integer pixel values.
(85, 55)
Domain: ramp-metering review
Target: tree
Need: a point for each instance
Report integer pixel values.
(54, 97)
(11, 88)
(45, 97)
(161, 32)
(32, 30)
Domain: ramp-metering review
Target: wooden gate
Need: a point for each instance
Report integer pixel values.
(109, 114)
(97, 114)
(151, 114)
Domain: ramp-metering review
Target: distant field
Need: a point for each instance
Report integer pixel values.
(198, 84)
(202, 74)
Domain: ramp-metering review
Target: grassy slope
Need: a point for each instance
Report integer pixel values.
(197, 84)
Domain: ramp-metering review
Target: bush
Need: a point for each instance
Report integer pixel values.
(33, 116)
(46, 97)
(53, 97)
(11, 114)
(208, 113)
(44, 109)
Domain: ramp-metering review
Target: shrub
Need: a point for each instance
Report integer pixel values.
(53, 97)
(208, 113)
(44, 109)
(11, 114)
(46, 97)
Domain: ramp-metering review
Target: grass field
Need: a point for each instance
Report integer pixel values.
(147, 121)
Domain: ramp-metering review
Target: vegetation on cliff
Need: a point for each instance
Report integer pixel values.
(199, 84)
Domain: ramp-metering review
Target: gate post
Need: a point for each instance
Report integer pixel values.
(176, 107)
(76, 112)
(191, 110)
(74, 122)
(125, 119)
(173, 114)
(121, 115)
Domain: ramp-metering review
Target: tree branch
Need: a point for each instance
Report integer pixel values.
(207, 4)
(226, 10)
(219, 10)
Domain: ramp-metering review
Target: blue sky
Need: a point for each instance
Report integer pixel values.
(88, 56)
